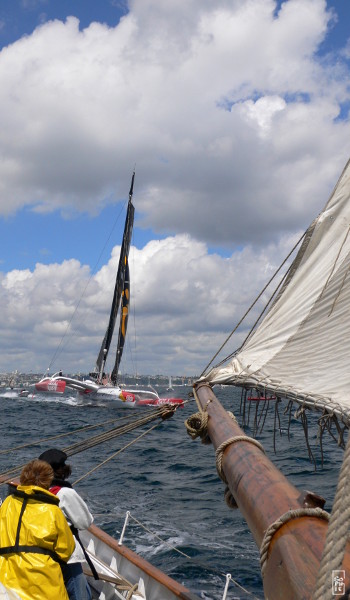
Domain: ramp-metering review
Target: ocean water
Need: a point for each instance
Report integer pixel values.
(168, 482)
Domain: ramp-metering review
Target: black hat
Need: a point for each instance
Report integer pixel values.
(56, 458)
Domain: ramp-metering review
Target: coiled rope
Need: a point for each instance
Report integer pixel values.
(197, 426)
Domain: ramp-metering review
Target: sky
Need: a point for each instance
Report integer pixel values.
(235, 116)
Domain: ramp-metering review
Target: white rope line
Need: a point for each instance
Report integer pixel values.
(220, 450)
(186, 555)
(285, 518)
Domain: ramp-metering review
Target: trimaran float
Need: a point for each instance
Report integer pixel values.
(99, 386)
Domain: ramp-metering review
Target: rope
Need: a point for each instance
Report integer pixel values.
(116, 453)
(337, 534)
(252, 305)
(220, 450)
(59, 348)
(190, 558)
(229, 499)
(117, 431)
(197, 425)
(120, 583)
(132, 590)
(61, 435)
(285, 518)
(163, 412)
(116, 579)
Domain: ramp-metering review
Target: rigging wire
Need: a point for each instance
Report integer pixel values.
(116, 453)
(134, 356)
(61, 435)
(258, 319)
(251, 306)
(193, 560)
(59, 348)
(163, 412)
(116, 431)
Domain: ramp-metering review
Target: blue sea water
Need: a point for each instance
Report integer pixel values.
(168, 482)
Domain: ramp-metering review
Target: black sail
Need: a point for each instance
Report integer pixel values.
(119, 285)
(124, 314)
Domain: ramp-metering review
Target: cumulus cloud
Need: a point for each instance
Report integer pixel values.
(184, 304)
(221, 104)
(233, 120)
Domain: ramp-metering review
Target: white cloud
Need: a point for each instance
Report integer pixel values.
(263, 110)
(233, 122)
(165, 89)
(185, 302)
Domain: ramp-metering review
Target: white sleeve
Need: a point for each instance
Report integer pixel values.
(74, 508)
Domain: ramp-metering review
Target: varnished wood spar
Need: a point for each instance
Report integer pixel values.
(263, 495)
(153, 572)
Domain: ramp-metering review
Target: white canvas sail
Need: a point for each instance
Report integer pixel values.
(301, 350)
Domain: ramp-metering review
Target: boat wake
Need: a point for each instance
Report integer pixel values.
(16, 394)
(43, 398)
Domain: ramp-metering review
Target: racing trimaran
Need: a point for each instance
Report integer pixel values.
(99, 386)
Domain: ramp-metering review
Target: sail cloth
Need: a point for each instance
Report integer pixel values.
(124, 315)
(118, 289)
(301, 350)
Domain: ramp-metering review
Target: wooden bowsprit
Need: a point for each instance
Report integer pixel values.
(288, 526)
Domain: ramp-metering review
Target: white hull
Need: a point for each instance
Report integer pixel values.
(109, 393)
(112, 560)
(125, 398)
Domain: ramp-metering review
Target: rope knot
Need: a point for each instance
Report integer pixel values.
(197, 426)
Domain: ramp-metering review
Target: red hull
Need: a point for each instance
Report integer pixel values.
(159, 401)
(51, 386)
(261, 398)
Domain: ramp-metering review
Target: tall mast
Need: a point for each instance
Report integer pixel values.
(119, 283)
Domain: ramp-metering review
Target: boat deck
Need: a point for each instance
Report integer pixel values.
(122, 571)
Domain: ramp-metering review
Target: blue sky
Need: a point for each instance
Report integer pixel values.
(28, 237)
(236, 116)
(22, 17)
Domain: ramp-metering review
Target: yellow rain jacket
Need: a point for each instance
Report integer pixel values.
(34, 536)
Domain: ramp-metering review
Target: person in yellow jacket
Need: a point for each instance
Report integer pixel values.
(34, 537)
